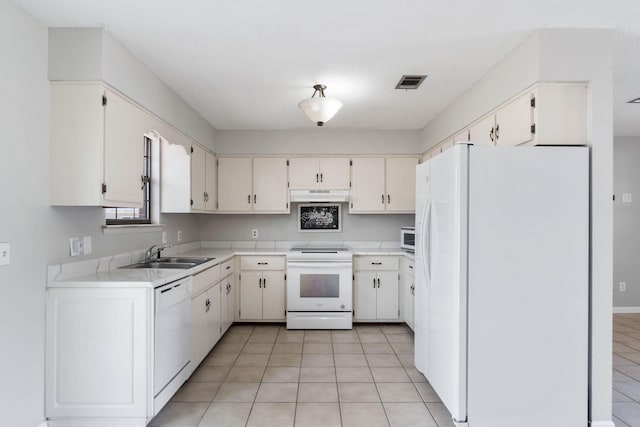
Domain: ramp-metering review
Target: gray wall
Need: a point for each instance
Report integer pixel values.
(38, 232)
(317, 141)
(285, 227)
(626, 222)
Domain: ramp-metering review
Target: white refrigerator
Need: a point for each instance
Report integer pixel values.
(502, 284)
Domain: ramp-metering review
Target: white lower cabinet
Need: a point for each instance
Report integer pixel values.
(227, 296)
(99, 352)
(262, 288)
(409, 292)
(205, 323)
(376, 289)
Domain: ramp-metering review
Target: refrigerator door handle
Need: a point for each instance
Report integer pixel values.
(425, 241)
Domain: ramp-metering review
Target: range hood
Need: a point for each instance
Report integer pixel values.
(319, 196)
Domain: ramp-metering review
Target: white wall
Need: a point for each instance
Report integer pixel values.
(564, 55)
(317, 141)
(92, 54)
(626, 230)
(39, 233)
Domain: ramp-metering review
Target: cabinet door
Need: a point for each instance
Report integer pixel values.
(98, 352)
(199, 314)
(334, 173)
(303, 173)
(211, 182)
(198, 173)
(251, 295)
(364, 298)
(273, 291)
(367, 180)
(234, 184)
(514, 120)
(401, 184)
(213, 317)
(482, 132)
(387, 298)
(125, 126)
(270, 184)
(231, 296)
(226, 305)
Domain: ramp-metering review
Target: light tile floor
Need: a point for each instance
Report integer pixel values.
(626, 370)
(265, 375)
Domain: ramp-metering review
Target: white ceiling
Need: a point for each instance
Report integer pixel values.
(245, 64)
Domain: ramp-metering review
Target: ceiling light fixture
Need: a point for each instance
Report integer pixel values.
(321, 109)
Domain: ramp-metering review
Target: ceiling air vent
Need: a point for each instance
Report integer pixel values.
(410, 81)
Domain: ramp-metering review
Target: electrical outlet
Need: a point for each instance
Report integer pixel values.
(179, 235)
(5, 253)
(254, 234)
(164, 237)
(626, 198)
(623, 286)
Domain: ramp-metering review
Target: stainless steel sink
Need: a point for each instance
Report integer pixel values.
(157, 264)
(171, 262)
(191, 260)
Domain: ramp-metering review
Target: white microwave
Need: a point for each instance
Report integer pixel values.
(408, 238)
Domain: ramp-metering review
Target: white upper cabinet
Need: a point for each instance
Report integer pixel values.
(514, 121)
(234, 184)
(325, 173)
(483, 131)
(198, 177)
(189, 176)
(401, 184)
(382, 185)
(367, 185)
(270, 184)
(248, 184)
(544, 114)
(97, 140)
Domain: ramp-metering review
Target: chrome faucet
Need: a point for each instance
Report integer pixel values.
(151, 251)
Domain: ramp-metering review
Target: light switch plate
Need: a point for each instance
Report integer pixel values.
(179, 235)
(87, 245)
(164, 237)
(626, 198)
(5, 253)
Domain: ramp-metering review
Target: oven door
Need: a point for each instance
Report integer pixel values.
(319, 286)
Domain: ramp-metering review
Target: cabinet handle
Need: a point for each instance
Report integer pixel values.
(254, 198)
(411, 267)
(320, 177)
(249, 199)
(374, 283)
(388, 199)
(383, 199)
(264, 282)
(378, 282)
(263, 263)
(497, 131)
(317, 177)
(228, 267)
(376, 263)
(260, 283)
(142, 181)
(491, 134)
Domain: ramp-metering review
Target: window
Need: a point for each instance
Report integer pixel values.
(123, 216)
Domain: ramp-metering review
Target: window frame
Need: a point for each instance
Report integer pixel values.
(146, 193)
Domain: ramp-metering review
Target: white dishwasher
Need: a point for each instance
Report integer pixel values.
(172, 339)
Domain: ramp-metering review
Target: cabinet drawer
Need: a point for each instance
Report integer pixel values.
(262, 263)
(226, 268)
(208, 277)
(375, 263)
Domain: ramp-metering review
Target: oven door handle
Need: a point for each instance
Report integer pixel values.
(318, 264)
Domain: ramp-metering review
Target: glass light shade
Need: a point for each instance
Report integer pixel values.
(321, 109)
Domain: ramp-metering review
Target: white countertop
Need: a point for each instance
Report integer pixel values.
(105, 272)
